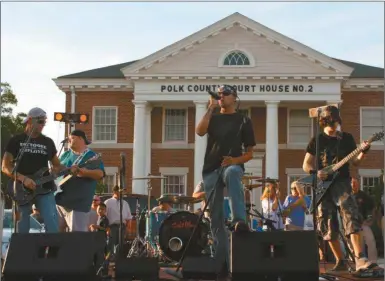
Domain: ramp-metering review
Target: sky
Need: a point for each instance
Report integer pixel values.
(41, 41)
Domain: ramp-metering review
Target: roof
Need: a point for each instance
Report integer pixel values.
(114, 71)
(363, 70)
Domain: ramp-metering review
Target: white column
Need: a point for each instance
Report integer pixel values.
(148, 140)
(139, 147)
(200, 144)
(272, 150)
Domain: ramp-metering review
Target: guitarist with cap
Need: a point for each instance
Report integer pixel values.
(38, 152)
(333, 147)
(78, 189)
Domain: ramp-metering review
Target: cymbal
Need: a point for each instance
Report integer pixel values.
(252, 186)
(251, 178)
(178, 199)
(148, 178)
(267, 180)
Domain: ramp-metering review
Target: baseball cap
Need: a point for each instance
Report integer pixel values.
(227, 90)
(35, 112)
(82, 134)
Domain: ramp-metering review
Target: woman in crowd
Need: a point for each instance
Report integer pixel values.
(271, 205)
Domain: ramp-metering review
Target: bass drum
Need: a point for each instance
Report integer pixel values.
(175, 232)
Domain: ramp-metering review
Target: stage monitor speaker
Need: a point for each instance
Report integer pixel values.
(202, 268)
(274, 255)
(54, 256)
(137, 268)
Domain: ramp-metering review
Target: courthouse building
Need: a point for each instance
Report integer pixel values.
(148, 108)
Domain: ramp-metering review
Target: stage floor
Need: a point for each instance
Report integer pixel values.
(340, 276)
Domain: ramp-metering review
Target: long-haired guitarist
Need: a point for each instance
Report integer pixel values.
(37, 154)
(333, 147)
(78, 190)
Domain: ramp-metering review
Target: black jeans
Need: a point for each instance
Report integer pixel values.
(114, 236)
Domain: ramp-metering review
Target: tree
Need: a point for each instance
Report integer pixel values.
(10, 124)
(101, 187)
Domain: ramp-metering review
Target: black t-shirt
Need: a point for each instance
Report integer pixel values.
(39, 151)
(333, 150)
(223, 134)
(365, 203)
(103, 223)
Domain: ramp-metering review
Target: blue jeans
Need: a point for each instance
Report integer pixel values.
(232, 179)
(46, 205)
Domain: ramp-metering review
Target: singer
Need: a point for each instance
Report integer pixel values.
(230, 144)
(74, 202)
(38, 152)
(333, 147)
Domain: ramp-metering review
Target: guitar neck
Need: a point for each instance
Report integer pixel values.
(51, 177)
(346, 159)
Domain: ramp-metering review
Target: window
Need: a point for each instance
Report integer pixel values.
(372, 121)
(175, 125)
(175, 184)
(236, 58)
(105, 124)
(109, 181)
(292, 178)
(299, 126)
(367, 183)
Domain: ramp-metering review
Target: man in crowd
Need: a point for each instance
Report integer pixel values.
(74, 202)
(37, 154)
(113, 215)
(366, 207)
(93, 215)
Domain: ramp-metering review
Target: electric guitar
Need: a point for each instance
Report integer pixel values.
(25, 195)
(332, 171)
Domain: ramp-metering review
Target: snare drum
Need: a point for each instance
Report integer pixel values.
(153, 223)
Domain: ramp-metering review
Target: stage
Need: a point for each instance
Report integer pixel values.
(163, 276)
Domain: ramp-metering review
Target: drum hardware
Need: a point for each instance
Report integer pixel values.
(148, 248)
(267, 222)
(249, 186)
(138, 242)
(175, 244)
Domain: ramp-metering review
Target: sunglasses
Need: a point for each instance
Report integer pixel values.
(41, 122)
(293, 188)
(226, 90)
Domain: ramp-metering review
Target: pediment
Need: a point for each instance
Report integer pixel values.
(271, 52)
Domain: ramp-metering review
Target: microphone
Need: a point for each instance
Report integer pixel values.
(214, 95)
(64, 141)
(313, 112)
(122, 170)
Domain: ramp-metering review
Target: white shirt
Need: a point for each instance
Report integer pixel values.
(113, 211)
(268, 213)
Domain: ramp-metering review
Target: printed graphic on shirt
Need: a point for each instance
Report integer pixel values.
(34, 148)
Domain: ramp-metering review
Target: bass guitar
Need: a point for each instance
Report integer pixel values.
(22, 195)
(332, 171)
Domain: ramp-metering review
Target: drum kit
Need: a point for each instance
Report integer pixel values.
(167, 233)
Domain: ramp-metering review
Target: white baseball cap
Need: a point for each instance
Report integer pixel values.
(35, 112)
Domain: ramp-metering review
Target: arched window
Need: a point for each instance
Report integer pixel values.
(236, 58)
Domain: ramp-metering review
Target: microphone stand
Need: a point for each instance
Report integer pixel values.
(16, 163)
(121, 188)
(315, 184)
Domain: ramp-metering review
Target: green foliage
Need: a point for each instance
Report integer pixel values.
(10, 124)
(100, 188)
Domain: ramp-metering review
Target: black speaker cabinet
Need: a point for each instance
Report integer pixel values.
(54, 256)
(137, 268)
(275, 255)
(200, 268)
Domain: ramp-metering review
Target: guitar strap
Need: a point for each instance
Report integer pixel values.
(80, 157)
